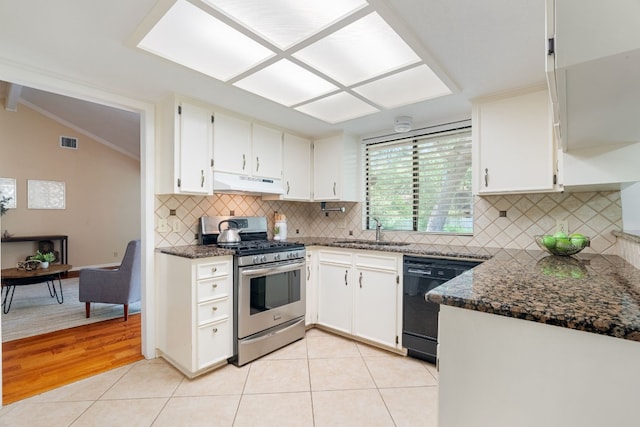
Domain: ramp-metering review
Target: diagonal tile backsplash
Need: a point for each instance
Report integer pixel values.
(594, 214)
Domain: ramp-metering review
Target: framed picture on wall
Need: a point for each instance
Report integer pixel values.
(45, 194)
(8, 189)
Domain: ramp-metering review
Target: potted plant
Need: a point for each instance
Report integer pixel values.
(3, 204)
(44, 259)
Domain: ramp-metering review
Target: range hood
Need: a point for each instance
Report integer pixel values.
(241, 184)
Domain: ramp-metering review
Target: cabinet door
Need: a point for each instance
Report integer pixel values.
(231, 145)
(312, 310)
(515, 142)
(266, 158)
(214, 343)
(195, 149)
(327, 161)
(296, 168)
(335, 296)
(376, 305)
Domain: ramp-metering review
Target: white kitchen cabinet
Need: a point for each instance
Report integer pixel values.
(335, 169)
(243, 148)
(359, 294)
(266, 152)
(185, 148)
(311, 316)
(296, 168)
(231, 145)
(514, 147)
(335, 290)
(377, 298)
(195, 312)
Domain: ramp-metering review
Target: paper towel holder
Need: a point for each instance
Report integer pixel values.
(324, 208)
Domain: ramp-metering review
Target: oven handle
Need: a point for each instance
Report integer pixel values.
(269, 270)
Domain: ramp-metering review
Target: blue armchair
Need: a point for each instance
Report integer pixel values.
(120, 286)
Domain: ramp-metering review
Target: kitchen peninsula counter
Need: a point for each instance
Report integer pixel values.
(195, 251)
(592, 293)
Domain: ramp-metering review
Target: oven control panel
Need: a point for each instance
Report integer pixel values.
(290, 255)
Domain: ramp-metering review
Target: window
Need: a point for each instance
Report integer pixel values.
(422, 183)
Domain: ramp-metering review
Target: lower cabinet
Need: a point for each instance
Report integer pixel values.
(195, 307)
(359, 294)
(311, 315)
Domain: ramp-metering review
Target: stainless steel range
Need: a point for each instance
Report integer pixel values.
(269, 290)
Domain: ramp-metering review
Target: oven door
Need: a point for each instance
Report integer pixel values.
(269, 295)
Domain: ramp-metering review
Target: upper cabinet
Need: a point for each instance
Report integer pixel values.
(335, 169)
(243, 148)
(296, 168)
(266, 152)
(184, 148)
(232, 145)
(514, 148)
(593, 64)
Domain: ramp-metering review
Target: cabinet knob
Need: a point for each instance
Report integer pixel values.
(215, 285)
(214, 330)
(214, 269)
(214, 308)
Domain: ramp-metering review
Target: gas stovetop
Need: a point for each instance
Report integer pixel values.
(261, 247)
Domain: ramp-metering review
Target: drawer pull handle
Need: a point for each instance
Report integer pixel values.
(214, 330)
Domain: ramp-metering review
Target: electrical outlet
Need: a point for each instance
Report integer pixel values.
(562, 225)
(163, 226)
(175, 226)
(115, 254)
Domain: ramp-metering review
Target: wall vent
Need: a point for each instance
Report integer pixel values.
(69, 142)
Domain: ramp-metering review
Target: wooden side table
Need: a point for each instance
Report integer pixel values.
(12, 277)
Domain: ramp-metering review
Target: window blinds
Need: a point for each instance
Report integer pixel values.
(421, 183)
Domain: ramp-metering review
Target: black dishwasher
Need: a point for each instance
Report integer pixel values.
(420, 317)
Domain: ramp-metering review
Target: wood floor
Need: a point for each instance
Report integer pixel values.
(37, 364)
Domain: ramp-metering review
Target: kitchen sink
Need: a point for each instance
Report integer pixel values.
(373, 242)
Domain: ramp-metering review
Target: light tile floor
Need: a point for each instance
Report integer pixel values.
(322, 380)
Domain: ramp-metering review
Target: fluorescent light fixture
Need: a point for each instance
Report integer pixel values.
(409, 86)
(286, 22)
(286, 83)
(193, 38)
(362, 50)
(337, 108)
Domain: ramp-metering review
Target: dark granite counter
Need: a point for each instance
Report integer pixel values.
(593, 293)
(425, 250)
(195, 251)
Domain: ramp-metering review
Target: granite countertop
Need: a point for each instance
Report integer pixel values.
(593, 293)
(195, 251)
(439, 251)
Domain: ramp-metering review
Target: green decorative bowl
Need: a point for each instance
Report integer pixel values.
(562, 245)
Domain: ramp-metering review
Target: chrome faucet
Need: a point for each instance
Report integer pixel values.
(378, 228)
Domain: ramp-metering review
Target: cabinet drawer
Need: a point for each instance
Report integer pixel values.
(213, 311)
(377, 262)
(214, 288)
(335, 257)
(214, 343)
(212, 269)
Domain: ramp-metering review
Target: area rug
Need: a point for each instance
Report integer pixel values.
(35, 312)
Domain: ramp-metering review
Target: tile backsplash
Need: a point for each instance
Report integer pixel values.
(594, 214)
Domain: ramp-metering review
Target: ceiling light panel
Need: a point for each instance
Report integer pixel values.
(189, 36)
(286, 22)
(286, 83)
(337, 108)
(407, 87)
(362, 50)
